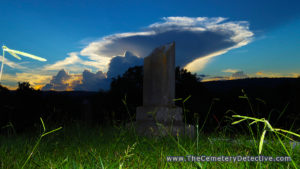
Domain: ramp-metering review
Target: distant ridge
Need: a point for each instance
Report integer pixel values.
(248, 83)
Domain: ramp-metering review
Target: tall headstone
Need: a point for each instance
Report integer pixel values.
(159, 115)
(159, 77)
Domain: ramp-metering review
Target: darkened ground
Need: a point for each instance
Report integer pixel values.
(276, 99)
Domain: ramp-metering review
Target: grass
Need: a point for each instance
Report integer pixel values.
(80, 146)
(118, 148)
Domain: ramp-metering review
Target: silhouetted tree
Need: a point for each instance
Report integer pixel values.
(126, 88)
(28, 106)
(3, 89)
(188, 84)
(5, 109)
(24, 87)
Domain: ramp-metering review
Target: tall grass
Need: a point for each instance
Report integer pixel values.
(268, 127)
(39, 140)
(119, 147)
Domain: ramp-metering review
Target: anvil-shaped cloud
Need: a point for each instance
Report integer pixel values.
(197, 40)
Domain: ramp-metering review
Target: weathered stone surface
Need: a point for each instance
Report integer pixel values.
(159, 77)
(159, 116)
(150, 129)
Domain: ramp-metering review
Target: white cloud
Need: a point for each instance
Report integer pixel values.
(170, 23)
(75, 64)
(198, 40)
(72, 59)
(230, 70)
(201, 62)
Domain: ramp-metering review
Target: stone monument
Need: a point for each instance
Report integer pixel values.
(159, 115)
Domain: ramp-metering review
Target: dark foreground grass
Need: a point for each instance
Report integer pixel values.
(79, 146)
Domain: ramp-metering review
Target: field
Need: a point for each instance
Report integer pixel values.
(82, 146)
(65, 140)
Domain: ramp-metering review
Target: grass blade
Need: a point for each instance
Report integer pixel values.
(25, 54)
(236, 122)
(187, 98)
(261, 142)
(51, 131)
(286, 131)
(14, 55)
(43, 124)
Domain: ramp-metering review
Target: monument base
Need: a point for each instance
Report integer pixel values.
(160, 121)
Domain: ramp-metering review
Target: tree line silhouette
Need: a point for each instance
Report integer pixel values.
(206, 102)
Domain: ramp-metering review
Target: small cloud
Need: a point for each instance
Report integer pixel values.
(239, 75)
(230, 70)
(215, 78)
(259, 73)
(275, 75)
(236, 74)
(269, 74)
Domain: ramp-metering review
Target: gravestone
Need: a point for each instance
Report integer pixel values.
(159, 115)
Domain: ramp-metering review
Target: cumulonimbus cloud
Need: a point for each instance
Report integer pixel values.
(87, 81)
(120, 64)
(198, 40)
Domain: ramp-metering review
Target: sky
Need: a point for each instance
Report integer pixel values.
(86, 43)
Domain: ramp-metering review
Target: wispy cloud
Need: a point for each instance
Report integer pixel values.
(230, 70)
(75, 64)
(215, 78)
(275, 74)
(238, 74)
(235, 74)
(12, 64)
(72, 59)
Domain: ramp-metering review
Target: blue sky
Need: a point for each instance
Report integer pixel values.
(262, 38)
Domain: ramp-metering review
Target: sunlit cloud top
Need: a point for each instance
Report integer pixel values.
(195, 37)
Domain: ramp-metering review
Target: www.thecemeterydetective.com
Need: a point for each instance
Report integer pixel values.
(203, 158)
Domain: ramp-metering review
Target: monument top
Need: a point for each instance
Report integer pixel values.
(159, 77)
